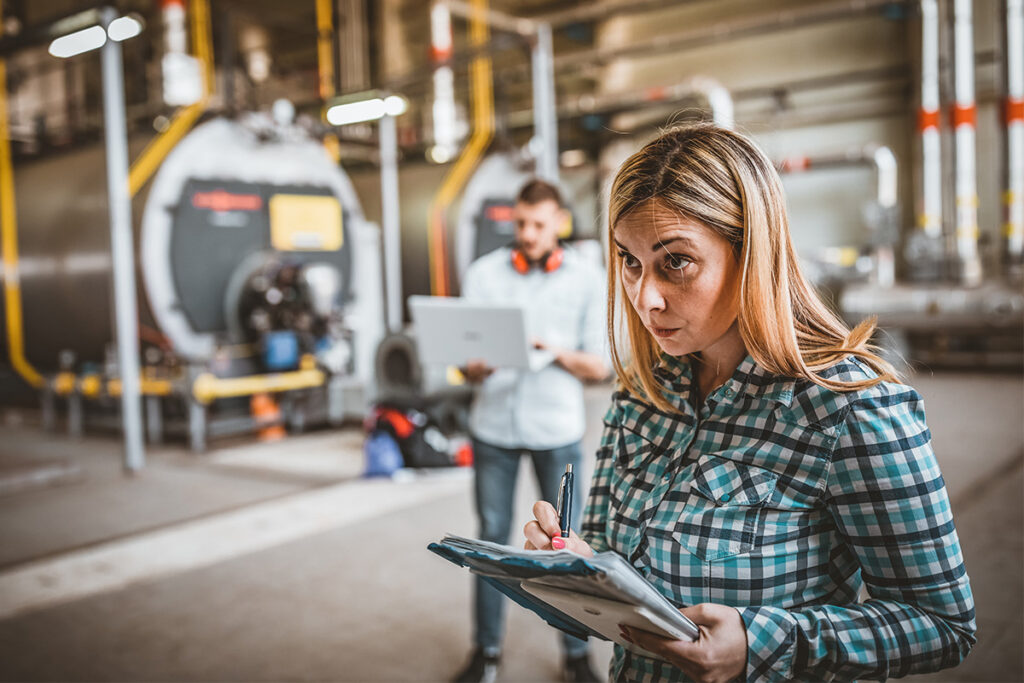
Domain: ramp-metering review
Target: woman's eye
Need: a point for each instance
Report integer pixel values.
(628, 260)
(676, 262)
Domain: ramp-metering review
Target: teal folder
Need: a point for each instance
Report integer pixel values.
(606, 576)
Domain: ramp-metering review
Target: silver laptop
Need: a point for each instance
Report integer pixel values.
(452, 331)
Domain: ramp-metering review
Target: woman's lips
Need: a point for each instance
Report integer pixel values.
(664, 331)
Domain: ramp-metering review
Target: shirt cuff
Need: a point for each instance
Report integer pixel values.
(770, 638)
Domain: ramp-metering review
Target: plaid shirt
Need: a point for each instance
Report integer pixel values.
(783, 498)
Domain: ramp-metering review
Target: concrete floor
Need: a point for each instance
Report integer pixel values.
(337, 583)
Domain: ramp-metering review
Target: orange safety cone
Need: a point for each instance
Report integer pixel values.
(267, 416)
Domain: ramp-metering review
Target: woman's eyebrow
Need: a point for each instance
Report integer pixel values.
(661, 244)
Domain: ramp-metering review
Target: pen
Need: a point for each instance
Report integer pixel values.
(565, 504)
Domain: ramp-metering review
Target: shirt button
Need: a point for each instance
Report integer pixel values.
(729, 393)
(725, 498)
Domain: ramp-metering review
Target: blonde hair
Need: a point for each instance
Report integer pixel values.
(721, 179)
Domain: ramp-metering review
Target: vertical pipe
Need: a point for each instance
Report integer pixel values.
(1013, 197)
(929, 216)
(325, 47)
(483, 132)
(443, 107)
(964, 122)
(9, 246)
(389, 222)
(888, 197)
(544, 115)
(116, 140)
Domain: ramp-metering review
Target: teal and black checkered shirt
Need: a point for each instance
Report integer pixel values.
(784, 499)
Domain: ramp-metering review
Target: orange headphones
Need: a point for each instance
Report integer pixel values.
(549, 263)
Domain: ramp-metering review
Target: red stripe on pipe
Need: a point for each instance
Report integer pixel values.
(927, 118)
(965, 115)
(440, 54)
(794, 164)
(1014, 109)
(655, 94)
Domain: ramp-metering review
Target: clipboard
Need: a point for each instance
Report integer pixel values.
(604, 616)
(570, 583)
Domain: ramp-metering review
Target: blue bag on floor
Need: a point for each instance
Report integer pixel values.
(383, 457)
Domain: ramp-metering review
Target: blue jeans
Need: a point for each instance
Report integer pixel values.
(495, 473)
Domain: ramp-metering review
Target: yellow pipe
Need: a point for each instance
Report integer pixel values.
(64, 383)
(325, 67)
(159, 147)
(483, 132)
(90, 385)
(208, 386)
(147, 387)
(9, 244)
(324, 43)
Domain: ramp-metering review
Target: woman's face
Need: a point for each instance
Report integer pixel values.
(681, 277)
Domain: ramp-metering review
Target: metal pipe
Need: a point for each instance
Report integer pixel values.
(964, 122)
(120, 204)
(493, 17)
(879, 157)
(208, 387)
(883, 161)
(1013, 230)
(717, 96)
(483, 132)
(389, 218)
(9, 245)
(600, 11)
(325, 47)
(443, 109)
(159, 147)
(929, 215)
(544, 116)
(717, 33)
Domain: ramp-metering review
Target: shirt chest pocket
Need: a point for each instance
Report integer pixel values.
(724, 509)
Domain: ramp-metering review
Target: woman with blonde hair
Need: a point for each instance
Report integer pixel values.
(760, 463)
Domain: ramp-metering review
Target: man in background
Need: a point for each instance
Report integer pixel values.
(538, 413)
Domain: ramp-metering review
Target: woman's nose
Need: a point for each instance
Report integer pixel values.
(649, 296)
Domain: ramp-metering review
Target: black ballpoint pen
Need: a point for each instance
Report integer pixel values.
(565, 502)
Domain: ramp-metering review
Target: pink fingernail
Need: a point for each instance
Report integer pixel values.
(558, 543)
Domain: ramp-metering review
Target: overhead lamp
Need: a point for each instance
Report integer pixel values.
(78, 42)
(94, 37)
(124, 28)
(366, 107)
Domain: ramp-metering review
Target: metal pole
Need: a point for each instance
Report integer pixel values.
(544, 115)
(389, 219)
(116, 137)
(964, 124)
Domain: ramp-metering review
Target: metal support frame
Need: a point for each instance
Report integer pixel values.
(126, 318)
(48, 405)
(389, 213)
(154, 420)
(544, 115)
(76, 418)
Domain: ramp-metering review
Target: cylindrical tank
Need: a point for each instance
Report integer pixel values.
(231, 198)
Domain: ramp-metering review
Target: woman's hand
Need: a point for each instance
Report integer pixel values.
(543, 532)
(717, 656)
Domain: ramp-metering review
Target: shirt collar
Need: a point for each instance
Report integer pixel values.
(675, 374)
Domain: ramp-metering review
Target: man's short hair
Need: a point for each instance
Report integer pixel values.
(537, 191)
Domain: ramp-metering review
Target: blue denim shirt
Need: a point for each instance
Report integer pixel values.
(783, 499)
